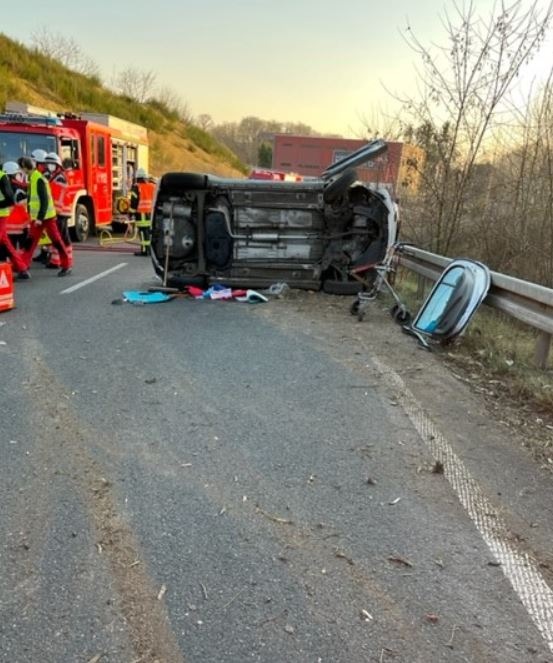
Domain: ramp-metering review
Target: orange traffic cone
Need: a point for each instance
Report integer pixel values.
(7, 300)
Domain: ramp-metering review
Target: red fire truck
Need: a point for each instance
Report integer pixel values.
(100, 154)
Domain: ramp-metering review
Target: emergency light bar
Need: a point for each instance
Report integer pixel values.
(25, 118)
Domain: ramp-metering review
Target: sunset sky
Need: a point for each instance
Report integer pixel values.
(321, 62)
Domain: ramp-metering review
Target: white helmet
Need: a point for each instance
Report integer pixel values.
(141, 174)
(38, 156)
(11, 168)
(52, 157)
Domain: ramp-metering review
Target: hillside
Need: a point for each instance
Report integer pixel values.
(30, 77)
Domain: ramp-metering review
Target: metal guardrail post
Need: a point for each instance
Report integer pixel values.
(543, 345)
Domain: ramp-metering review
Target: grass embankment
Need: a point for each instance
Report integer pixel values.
(496, 357)
(28, 76)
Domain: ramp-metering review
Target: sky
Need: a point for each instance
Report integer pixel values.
(330, 64)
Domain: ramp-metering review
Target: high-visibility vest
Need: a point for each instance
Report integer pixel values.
(4, 212)
(58, 194)
(7, 299)
(34, 200)
(18, 220)
(146, 196)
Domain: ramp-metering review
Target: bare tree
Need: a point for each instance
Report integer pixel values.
(518, 205)
(65, 50)
(174, 103)
(204, 121)
(245, 137)
(462, 85)
(135, 83)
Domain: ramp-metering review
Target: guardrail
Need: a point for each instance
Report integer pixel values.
(528, 302)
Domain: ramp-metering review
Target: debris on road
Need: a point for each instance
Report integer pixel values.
(431, 618)
(449, 643)
(342, 555)
(400, 561)
(366, 616)
(161, 592)
(234, 598)
(96, 659)
(394, 502)
(275, 519)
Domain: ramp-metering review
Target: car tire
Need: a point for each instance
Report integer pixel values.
(400, 314)
(338, 187)
(81, 230)
(335, 287)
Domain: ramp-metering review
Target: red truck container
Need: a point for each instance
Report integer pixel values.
(99, 153)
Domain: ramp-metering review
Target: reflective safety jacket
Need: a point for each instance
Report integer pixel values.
(146, 192)
(18, 220)
(40, 202)
(142, 197)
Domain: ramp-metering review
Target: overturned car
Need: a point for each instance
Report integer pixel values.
(253, 233)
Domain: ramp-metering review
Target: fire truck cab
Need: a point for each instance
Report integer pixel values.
(100, 155)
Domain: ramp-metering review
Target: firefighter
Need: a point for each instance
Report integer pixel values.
(17, 223)
(43, 215)
(43, 256)
(142, 198)
(7, 249)
(55, 174)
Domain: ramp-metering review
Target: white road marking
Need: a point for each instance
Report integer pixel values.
(93, 278)
(520, 569)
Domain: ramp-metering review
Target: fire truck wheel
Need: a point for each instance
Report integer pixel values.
(81, 229)
(339, 186)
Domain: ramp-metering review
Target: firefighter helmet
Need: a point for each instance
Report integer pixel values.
(52, 157)
(11, 168)
(141, 174)
(38, 156)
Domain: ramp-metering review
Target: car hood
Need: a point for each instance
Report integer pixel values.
(360, 156)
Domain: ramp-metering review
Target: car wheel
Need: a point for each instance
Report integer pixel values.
(81, 229)
(336, 287)
(338, 187)
(400, 314)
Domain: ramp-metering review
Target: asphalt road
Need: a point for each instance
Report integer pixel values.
(220, 482)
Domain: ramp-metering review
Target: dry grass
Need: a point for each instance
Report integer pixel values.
(496, 357)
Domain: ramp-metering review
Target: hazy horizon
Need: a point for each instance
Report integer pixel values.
(309, 61)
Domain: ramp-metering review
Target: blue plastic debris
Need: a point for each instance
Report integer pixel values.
(137, 297)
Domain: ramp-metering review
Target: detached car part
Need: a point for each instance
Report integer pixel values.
(453, 301)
